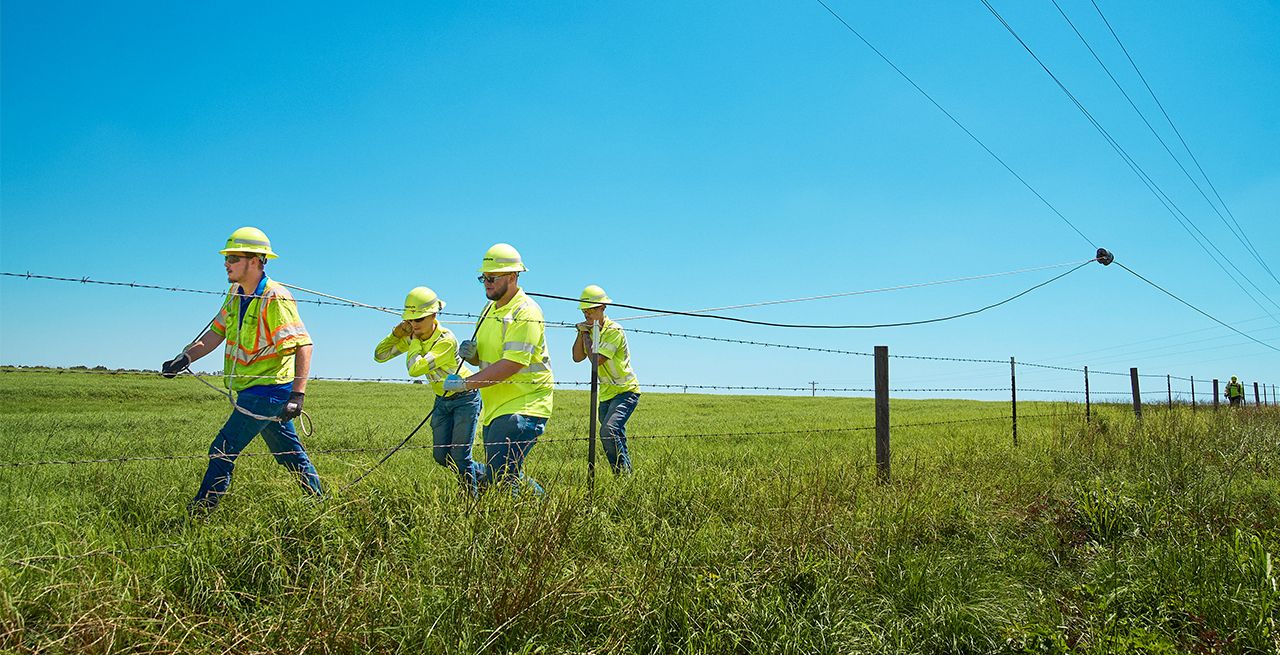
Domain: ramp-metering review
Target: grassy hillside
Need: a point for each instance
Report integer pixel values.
(1100, 538)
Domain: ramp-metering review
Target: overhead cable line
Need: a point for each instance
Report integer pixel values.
(955, 120)
(1197, 309)
(1153, 339)
(846, 294)
(1235, 231)
(1185, 145)
(1172, 207)
(811, 326)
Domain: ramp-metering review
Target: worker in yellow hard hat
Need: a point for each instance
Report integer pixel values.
(1235, 392)
(515, 379)
(431, 350)
(266, 361)
(619, 387)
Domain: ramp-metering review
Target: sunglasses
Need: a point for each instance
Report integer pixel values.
(419, 320)
(235, 259)
(490, 279)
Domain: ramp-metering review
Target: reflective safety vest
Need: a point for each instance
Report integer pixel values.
(616, 375)
(515, 332)
(1235, 390)
(436, 358)
(260, 345)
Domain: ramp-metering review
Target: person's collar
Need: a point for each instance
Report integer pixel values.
(262, 286)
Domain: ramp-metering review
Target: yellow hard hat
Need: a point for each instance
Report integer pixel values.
(502, 258)
(250, 240)
(420, 302)
(593, 296)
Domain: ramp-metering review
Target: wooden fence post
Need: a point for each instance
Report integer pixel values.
(882, 414)
(1013, 398)
(1087, 409)
(1137, 394)
(1215, 394)
(1255, 395)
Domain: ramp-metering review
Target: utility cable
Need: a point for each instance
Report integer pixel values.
(1185, 145)
(1235, 231)
(735, 319)
(1197, 309)
(955, 120)
(1181, 217)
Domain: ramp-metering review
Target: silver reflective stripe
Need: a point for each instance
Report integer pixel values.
(251, 242)
(536, 367)
(506, 260)
(429, 358)
(520, 346)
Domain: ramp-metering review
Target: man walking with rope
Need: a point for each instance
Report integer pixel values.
(266, 361)
(514, 380)
(431, 350)
(1235, 392)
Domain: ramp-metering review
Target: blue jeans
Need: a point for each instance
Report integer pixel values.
(453, 429)
(614, 413)
(507, 441)
(238, 431)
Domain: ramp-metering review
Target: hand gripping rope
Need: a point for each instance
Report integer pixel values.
(426, 418)
(305, 424)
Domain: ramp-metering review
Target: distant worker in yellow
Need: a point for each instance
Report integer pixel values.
(1235, 392)
(431, 350)
(515, 379)
(266, 361)
(619, 387)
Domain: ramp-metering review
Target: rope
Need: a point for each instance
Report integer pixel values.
(824, 326)
(856, 293)
(421, 423)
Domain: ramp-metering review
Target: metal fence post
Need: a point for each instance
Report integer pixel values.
(595, 400)
(1137, 394)
(1087, 409)
(1255, 395)
(882, 414)
(1193, 393)
(1013, 398)
(1215, 394)
(1168, 381)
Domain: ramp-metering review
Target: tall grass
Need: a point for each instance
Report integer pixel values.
(1112, 536)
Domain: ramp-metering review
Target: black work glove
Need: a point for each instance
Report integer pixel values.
(175, 365)
(292, 407)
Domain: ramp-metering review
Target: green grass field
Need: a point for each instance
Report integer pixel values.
(1107, 537)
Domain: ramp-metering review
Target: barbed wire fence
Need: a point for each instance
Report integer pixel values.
(880, 391)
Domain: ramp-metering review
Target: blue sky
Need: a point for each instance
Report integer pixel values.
(681, 155)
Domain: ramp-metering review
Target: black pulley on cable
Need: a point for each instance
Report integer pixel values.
(1105, 257)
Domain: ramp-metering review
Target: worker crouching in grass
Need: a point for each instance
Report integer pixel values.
(619, 387)
(266, 361)
(515, 379)
(431, 351)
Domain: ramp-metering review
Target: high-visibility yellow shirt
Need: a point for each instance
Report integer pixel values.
(1235, 390)
(433, 358)
(616, 374)
(515, 332)
(260, 346)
